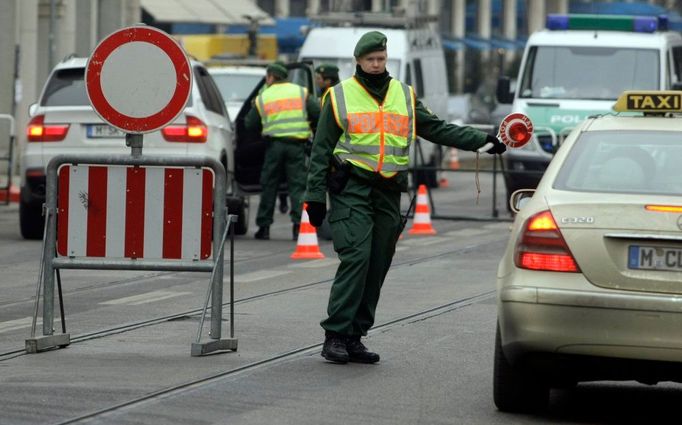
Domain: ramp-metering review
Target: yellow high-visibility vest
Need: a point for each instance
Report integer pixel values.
(282, 108)
(376, 137)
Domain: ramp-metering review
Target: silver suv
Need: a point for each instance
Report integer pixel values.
(63, 122)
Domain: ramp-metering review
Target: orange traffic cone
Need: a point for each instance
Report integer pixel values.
(306, 246)
(454, 159)
(421, 225)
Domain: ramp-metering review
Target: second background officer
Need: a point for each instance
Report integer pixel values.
(287, 116)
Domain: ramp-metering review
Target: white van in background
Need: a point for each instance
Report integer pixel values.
(415, 57)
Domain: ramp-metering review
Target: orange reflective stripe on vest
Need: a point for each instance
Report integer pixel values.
(375, 136)
(374, 122)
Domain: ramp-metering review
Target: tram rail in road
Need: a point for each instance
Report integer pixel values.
(280, 358)
(11, 354)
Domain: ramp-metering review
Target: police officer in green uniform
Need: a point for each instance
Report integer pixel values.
(286, 116)
(326, 76)
(368, 122)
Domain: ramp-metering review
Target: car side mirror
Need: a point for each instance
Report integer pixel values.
(32, 109)
(519, 198)
(503, 93)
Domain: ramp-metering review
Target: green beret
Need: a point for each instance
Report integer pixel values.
(327, 70)
(278, 69)
(373, 41)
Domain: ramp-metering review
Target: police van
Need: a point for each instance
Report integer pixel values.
(415, 57)
(577, 67)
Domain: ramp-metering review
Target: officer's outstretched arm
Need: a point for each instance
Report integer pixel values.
(435, 130)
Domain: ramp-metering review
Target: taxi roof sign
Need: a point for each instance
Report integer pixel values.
(655, 101)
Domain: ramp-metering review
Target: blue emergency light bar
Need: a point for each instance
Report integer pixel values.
(647, 24)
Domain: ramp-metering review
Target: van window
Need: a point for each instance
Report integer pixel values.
(579, 72)
(419, 78)
(677, 63)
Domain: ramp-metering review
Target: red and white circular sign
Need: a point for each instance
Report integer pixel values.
(138, 79)
(516, 130)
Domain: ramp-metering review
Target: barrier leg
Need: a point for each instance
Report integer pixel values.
(214, 293)
(61, 301)
(48, 340)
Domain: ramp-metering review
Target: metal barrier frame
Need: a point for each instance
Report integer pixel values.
(10, 154)
(50, 263)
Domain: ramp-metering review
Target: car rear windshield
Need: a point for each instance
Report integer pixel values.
(599, 73)
(639, 162)
(67, 88)
(236, 87)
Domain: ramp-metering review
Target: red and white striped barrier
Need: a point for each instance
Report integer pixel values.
(135, 212)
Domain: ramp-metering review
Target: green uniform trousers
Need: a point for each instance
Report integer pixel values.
(364, 220)
(282, 157)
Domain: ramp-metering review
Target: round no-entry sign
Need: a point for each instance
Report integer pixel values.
(138, 79)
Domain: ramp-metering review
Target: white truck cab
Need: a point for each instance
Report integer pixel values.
(577, 67)
(415, 57)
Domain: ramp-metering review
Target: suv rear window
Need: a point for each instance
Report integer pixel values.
(641, 162)
(67, 88)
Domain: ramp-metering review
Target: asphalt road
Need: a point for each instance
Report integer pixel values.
(130, 363)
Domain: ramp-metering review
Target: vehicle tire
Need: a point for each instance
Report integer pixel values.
(515, 390)
(240, 207)
(31, 221)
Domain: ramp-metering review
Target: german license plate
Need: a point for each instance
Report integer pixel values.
(654, 258)
(98, 131)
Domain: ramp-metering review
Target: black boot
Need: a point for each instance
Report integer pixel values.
(358, 353)
(334, 348)
(263, 233)
(295, 229)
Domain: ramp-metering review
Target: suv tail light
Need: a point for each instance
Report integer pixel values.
(194, 131)
(541, 246)
(38, 131)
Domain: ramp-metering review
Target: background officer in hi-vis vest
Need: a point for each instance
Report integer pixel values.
(360, 154)
(286, 116)
(326, 76)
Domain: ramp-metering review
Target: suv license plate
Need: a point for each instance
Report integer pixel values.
(654, 258)
(97, 131)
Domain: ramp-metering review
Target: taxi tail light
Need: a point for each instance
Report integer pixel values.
(38, 131)
(193, 131)
(542, 247)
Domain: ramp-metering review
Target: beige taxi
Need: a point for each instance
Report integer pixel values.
(590, 285)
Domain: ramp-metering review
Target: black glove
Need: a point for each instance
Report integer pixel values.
(498, 147)
(316, 212)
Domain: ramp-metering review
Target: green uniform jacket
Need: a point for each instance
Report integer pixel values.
(429, 127)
